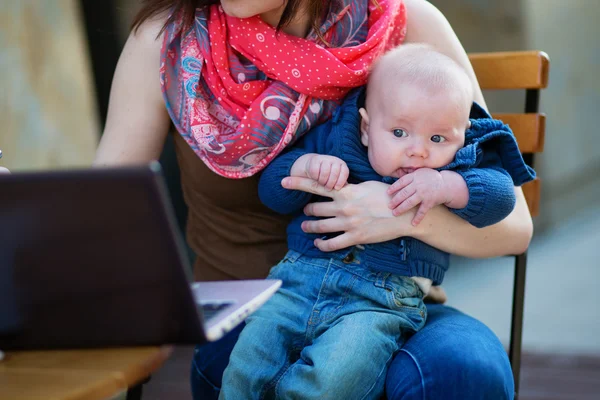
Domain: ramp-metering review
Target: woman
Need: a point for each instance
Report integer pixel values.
(234, 236)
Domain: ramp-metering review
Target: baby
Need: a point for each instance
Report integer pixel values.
(419, 103)
(332, 329)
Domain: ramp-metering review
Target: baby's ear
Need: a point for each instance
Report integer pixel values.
(364, 127)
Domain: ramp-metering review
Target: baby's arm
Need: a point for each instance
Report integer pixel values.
(428, 188)
(491, 193)
(270, 191)
(301, 159)
(482, 196)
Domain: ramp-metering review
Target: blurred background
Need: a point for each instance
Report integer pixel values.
(57, 58)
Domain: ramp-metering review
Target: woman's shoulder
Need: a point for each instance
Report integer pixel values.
(147, 36)
(142, 52)
(426, 23)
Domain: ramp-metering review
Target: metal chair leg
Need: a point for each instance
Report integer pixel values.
(516, 331)
(135, 393)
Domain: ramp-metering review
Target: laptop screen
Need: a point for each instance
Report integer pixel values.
(91, 257)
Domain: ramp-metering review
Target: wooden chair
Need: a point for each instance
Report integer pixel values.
(525, 70)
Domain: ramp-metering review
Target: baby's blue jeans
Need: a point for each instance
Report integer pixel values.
(304, 343)
(453, 357)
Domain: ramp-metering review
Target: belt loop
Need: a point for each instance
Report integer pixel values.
(404, 249)
(292, 256)
(381, 278)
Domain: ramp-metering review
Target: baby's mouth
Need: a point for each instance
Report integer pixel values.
(400, 172)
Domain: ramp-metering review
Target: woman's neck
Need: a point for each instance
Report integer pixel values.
(299, 26)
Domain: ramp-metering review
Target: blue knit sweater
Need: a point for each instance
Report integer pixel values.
(490, 162)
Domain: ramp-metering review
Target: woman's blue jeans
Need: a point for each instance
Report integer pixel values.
(453, 357)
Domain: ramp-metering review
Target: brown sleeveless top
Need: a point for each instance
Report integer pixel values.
(232, 233)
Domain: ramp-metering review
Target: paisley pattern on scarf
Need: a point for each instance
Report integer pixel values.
(239, 92)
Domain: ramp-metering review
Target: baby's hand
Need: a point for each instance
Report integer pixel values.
(425, 186)
(329, 171)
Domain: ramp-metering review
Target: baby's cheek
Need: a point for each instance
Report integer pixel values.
(447, 155)
(384, 158)
(380, 166)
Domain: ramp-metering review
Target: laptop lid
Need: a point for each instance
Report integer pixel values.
(92, 258)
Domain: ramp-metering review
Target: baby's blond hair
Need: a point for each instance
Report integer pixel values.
(422, 65)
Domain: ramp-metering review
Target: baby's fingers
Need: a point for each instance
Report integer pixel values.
(421, 213)
(402, 196)
(333, 176)
(313, 168)
(324, 172)
(401, 183)
(407, 204)
(343, 178)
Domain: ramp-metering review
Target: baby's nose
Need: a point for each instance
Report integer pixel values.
(418, 150)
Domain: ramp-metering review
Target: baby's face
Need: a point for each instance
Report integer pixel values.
(412, 129)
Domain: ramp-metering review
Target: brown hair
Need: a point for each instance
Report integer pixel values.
(187, 8)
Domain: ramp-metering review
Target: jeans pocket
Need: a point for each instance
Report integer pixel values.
(290, 258)
(405, 295)
(274, 272)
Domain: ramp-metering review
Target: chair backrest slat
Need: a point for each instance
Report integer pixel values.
(527, 70)
(532, 192)
(511, 70)
(529, 130)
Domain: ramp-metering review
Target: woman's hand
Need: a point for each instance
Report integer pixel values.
(360, 211)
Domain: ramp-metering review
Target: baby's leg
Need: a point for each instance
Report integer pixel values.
(349, 361)
(273, 335)
(349, 357)
(259, 354)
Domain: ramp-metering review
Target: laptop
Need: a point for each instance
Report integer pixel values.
(92, 258)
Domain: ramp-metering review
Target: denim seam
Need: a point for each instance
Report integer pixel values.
(343, 300)
(207, 360)
(272, 384)
(372, 278)
(312, 264)
(311, 324)
(418, 369)
(199, 372)
(384, 370)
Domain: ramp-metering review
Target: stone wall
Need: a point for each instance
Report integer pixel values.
(568, 31)
(47, 110)
(49, 119)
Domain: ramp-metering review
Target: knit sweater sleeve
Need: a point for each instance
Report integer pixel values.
(491, 192)
(270, 191)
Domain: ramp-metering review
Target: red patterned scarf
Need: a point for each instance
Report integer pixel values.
(239, 92)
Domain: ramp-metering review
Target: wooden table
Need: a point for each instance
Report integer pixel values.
(78, 374)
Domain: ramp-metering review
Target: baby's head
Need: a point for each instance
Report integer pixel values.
(417, 110)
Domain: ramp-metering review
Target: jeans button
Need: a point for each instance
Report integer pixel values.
(349, 258)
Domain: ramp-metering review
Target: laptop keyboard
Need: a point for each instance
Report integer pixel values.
(209, 310)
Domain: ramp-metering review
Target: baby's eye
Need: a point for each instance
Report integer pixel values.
(399, 133)
(438, 139)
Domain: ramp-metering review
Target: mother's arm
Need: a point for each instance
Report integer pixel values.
(137, 122)
(361, 210)
(426, 24)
